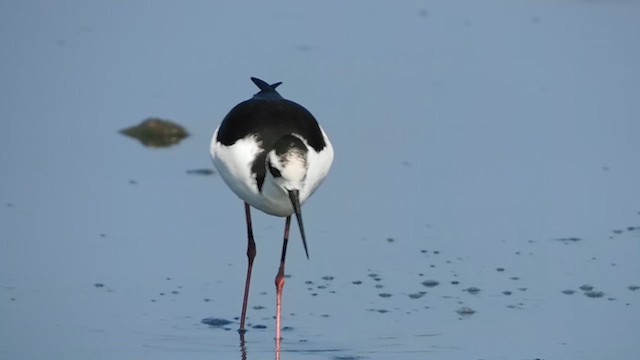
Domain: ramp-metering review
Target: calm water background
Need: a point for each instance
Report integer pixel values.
(490, 145)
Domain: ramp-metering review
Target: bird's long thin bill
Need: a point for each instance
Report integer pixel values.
(295, 201)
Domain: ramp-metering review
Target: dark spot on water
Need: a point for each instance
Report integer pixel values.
(384, 295)
(516, 306)
(500, 269)
(423, 251)
(153, 300)
(379, 286)
(258, 307)
(430, 283)
(216, 322)
(618, 232)
(348, 357)
(390, 240)
(287, 328)
(423, 13)
(132, 182)
(568, 240)
(325, 315)
(175, 292)
(633, 287)
(98, 285)
(207, 299)
(308, 282)
(594, 294)
(161, 294)
(314, 294)
(356, 282)
(322, 286)
(514, 278)
(465, 311)
(103, 235)
(586, 287)
(155, 132)
(436, 252)
(167, 278)
(381, 311)
(303, 48)
(417, 295)
(568, 292)
(507, 292)
(327, 277)
(455, 282)
(472, 290)
(259, 326)
(204, 172)
(287, 276)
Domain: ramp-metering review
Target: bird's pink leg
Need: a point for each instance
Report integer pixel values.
(251, 254)
(280, 282)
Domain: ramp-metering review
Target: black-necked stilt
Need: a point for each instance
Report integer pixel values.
(273, 154)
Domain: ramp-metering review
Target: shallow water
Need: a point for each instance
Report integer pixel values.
(483, 202)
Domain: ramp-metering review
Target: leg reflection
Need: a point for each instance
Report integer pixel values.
(243, 347)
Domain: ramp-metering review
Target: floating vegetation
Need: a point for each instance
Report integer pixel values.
(430, 283)
(216, 322)
(465, 311)
(594, 294)
(586, 287)
(417, 295)
(156, 132)
(472, 290)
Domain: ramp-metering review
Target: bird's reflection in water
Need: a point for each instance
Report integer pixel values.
(243, 346)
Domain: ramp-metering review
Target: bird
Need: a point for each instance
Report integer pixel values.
(272, 153)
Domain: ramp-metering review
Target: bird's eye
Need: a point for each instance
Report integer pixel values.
(275, 172)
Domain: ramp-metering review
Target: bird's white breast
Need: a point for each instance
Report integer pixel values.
(234, 165)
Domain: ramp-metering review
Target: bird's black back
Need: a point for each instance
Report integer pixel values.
(268, 117)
